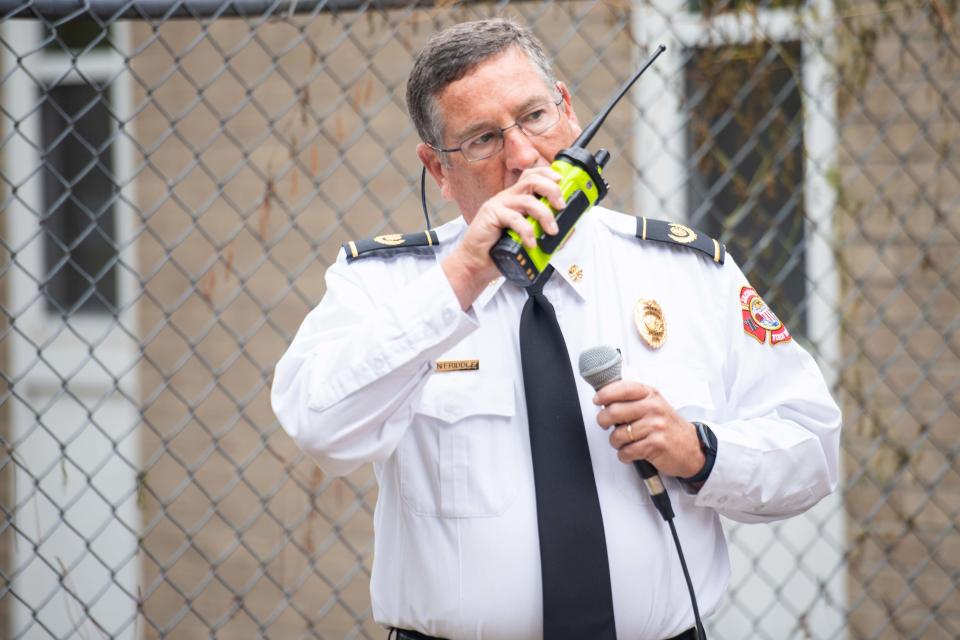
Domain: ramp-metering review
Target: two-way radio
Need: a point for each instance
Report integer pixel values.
(582, 186)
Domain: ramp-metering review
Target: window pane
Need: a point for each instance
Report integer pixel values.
(715, 7)
(745, 142)
(76, 35)
(79, 192)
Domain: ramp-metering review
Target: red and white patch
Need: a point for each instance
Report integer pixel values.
(759, 320)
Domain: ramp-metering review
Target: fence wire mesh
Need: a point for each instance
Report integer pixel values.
(178, 175)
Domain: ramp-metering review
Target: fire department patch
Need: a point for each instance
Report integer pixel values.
(759, 320)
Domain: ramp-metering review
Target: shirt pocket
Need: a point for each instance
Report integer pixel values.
(688, 391)
(461, 456)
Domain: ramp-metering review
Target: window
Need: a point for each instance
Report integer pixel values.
(69, 217)
(737, 137)
(746, 163)
(75, 36)
(80, 250)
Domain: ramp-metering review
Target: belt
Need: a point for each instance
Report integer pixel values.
(403, 634)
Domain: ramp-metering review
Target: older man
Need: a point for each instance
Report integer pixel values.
(413, 361)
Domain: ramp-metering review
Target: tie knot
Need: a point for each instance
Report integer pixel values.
(536, 288)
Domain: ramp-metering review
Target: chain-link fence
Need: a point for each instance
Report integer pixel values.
(177, 175)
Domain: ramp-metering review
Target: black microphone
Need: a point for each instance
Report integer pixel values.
(600, 366)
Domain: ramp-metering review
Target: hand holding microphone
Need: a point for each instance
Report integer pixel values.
(640, 413)
(647, 428)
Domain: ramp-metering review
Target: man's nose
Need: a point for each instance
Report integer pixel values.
(518, 150)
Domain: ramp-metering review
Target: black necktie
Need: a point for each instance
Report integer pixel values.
(577, 602)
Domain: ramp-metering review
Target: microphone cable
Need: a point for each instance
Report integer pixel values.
(701, 633)
(661, 500)
(600, 366)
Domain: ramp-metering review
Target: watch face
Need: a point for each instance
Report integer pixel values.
(706, 442)
(709, 449)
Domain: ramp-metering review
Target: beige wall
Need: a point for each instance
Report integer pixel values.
(244, 205)
(231, 274)
(898, 229)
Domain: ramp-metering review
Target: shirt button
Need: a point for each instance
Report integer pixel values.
(378, 364)
(447, 315)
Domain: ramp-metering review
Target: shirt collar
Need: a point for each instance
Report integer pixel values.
(568, 261)
(573, 260)
(449, 232)
(487, 294)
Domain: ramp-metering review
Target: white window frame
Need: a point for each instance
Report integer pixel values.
(83, 354)
(661, 191)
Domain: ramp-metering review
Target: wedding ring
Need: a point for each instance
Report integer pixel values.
(630, 432)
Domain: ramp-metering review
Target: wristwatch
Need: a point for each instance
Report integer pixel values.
(708, 444)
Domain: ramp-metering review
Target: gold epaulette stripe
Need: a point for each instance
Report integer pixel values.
(391, 244)
(680, 235)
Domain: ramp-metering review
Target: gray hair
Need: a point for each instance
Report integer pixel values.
(451, 54)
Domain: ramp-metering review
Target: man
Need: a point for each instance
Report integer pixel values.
(412, 361)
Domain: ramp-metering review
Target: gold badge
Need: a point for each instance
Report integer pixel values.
(682, 233)
(390, 239)
(458, 365)
(576, 273)
(648, 316)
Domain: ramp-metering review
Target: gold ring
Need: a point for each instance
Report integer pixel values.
(630, 432)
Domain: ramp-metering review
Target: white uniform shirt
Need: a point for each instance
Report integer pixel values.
(456, 545)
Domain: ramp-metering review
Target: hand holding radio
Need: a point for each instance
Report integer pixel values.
(530, 197)
(582, 186)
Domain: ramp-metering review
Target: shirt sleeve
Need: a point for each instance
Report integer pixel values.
(346, 387)
(779, 433)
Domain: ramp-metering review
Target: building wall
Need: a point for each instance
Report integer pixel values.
(898, 228)
(258, 138)
(6, 468)
(246, 199)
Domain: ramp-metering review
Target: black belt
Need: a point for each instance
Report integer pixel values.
(403, 634)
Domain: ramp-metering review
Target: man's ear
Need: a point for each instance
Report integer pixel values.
(567, 105)
(431, 160)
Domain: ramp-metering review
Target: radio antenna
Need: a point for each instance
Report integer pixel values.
(595, 125)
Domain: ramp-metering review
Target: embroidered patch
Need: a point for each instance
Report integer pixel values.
(759, 320)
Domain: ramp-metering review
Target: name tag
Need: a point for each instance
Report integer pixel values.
(458, 365)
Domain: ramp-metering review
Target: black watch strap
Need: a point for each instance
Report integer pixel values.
(708, 444)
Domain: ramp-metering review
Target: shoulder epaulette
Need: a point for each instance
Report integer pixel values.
(392, 244)
(680, 234)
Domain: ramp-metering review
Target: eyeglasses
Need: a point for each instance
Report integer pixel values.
(533, 122)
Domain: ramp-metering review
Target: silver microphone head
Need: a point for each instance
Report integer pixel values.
(600, 365)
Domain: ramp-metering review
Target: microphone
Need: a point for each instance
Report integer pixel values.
(600, 366)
